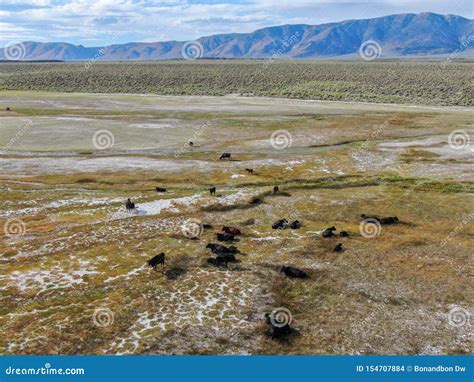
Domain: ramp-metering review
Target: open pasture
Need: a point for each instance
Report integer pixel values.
(74, 278)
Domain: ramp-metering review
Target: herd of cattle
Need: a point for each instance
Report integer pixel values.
(227, 254)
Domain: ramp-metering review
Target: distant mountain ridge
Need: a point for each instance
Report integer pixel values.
(392, 36)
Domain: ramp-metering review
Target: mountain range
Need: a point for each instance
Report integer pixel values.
(391, 36)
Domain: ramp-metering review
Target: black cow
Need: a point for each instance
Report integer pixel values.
(158, 259)
(280, 224)
(249, 170)
(344, 234)
(389, 220)
(231, 230)
(328, 232)
(129, 205)
(256, 200)
(225, 156)
(278, 331)
(159, 189)
(229, 257)
(294, 273)
(276, 190)
(191, 143)
(225, 236)
(221, 249)
(338, 248)
(8, 109)
(295, 225)
(212, 190)
(384, 221)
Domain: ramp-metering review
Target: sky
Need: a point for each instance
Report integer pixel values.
(106, 22)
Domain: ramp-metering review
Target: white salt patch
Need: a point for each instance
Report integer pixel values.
(155, 207)
(55, 278)
(79, 202)
(267, 238)
(219, 304)
(228, 199)
(152, 125)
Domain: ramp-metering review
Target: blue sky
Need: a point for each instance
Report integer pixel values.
(102, 22)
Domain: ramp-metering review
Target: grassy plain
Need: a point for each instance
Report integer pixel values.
(397, 81)
(81, 256)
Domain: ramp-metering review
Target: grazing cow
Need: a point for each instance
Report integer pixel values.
(158, 259)
(229, 257)
(159, 189)
(280, 224)
(233, 249)
(276, 190)
(191, 143)
(278, 331)
(221, 249)
(212, 190)
(338, 248)
(384, 221)
(295, 225)
(129, 205)
(206, 226)
(256, 200)
(294, 273)
(8, 109)
(249, 170)
(328, 232)
(231, 230)
(389, 220)
(225, 156)
(224, 236)
(344, 234)
(222, 258)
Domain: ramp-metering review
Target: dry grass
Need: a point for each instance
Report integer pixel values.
(385, 295)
